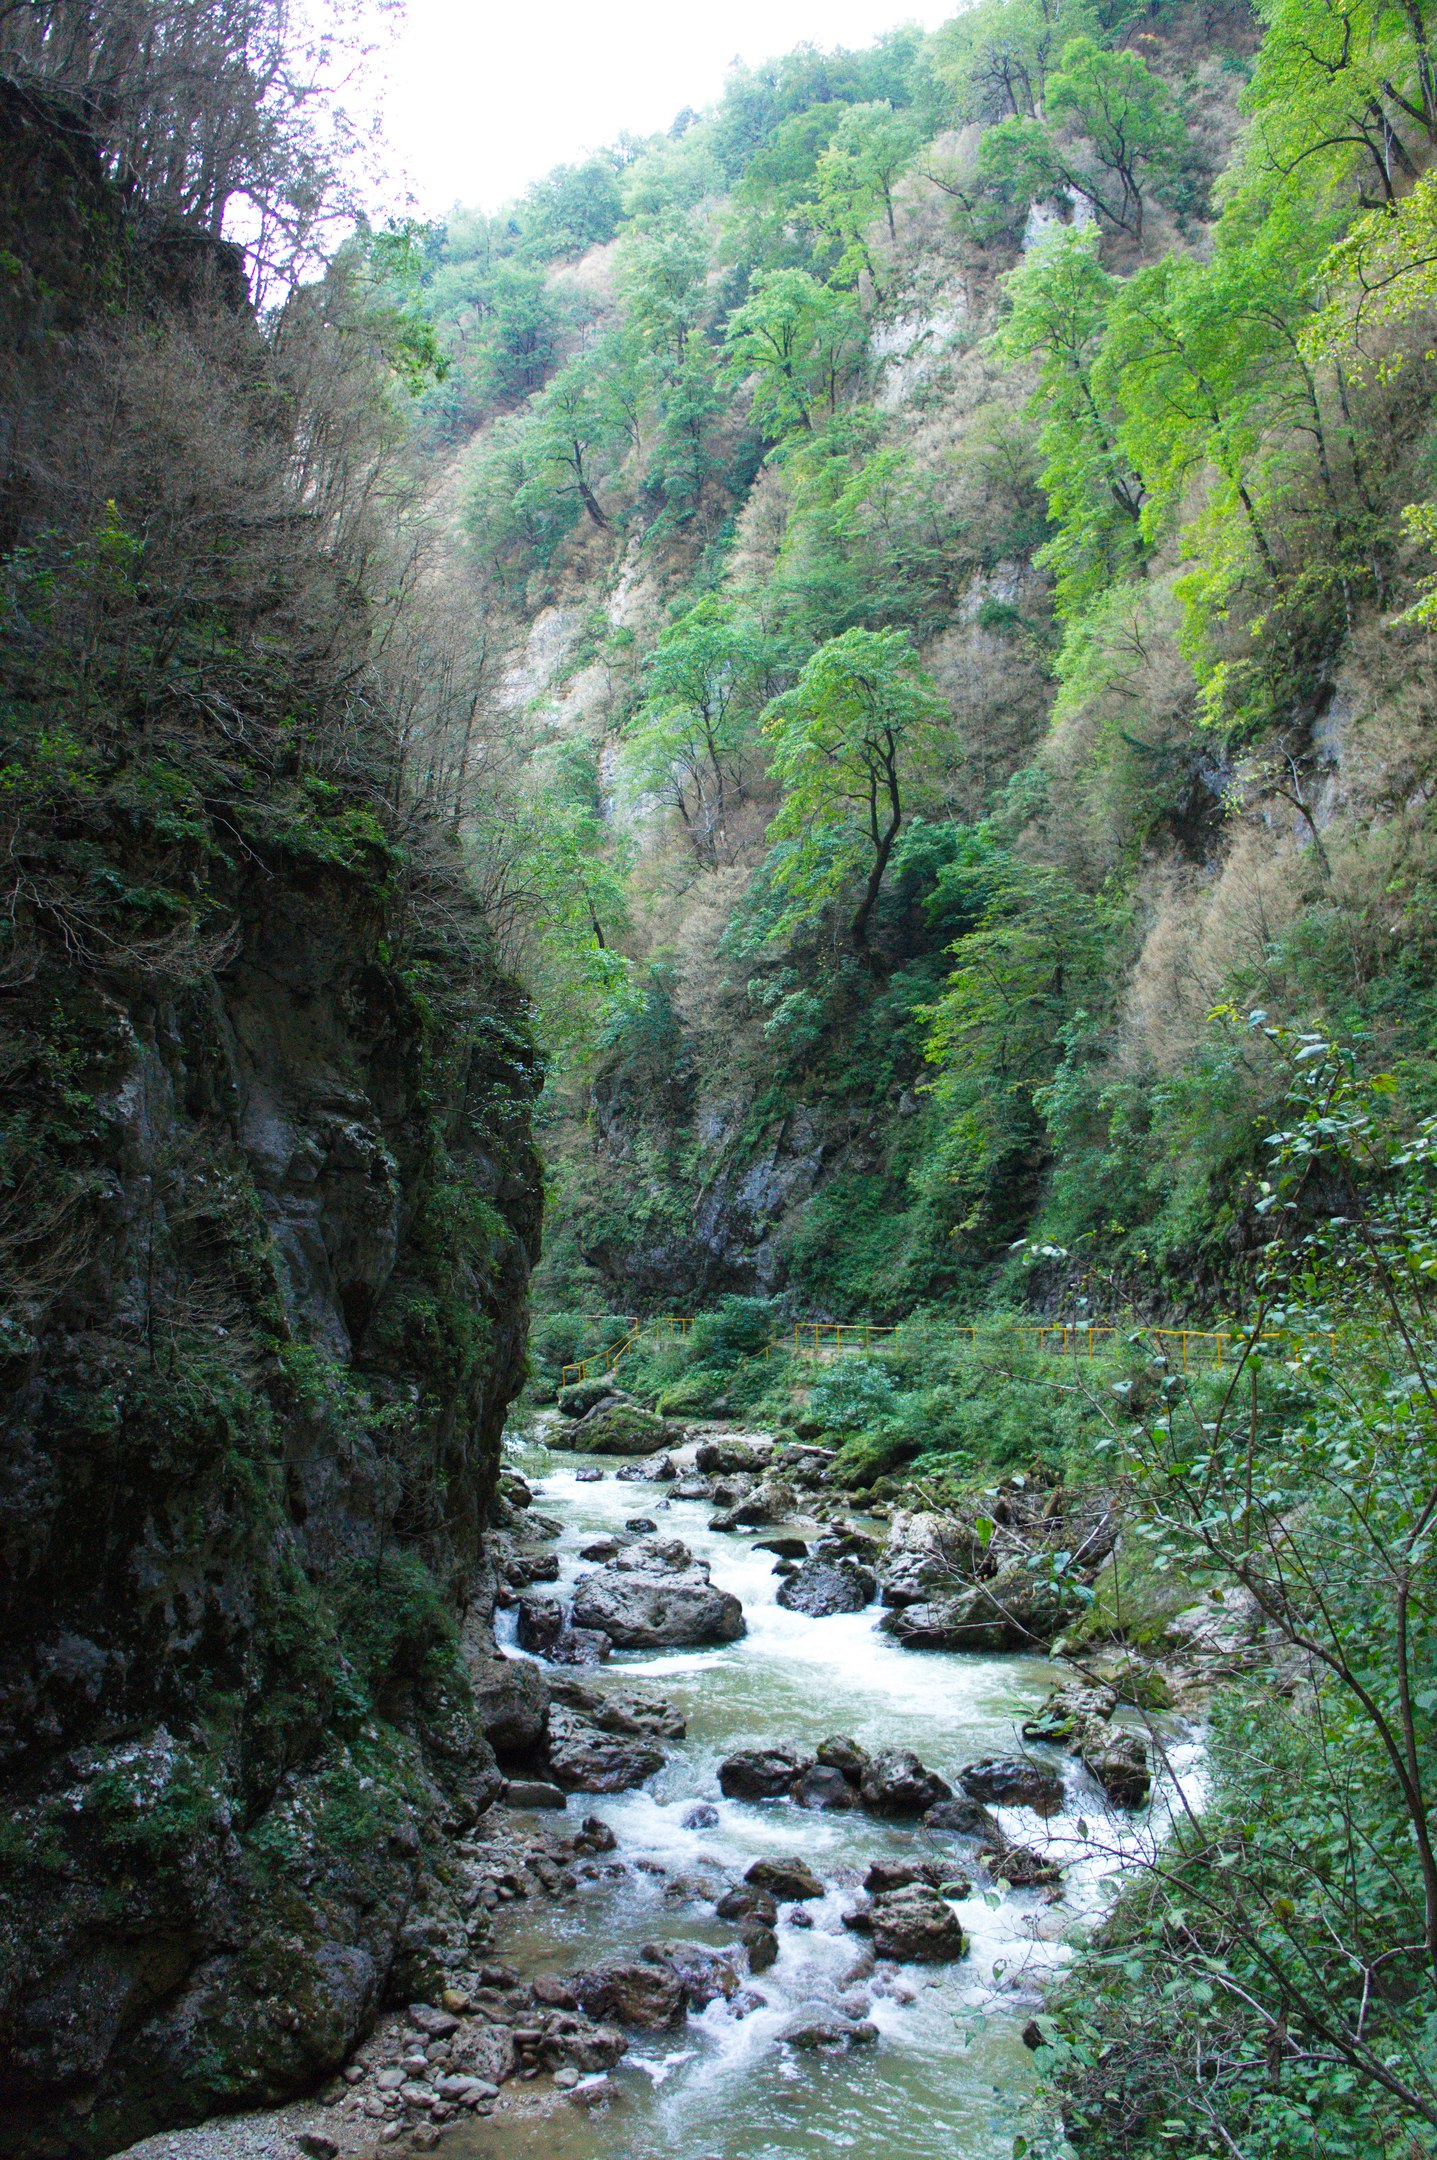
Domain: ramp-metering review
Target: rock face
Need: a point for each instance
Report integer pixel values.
(655, 1595)
(277, 1210)
(823, 1587)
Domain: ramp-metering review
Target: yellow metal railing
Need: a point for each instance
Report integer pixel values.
(1187, 1348)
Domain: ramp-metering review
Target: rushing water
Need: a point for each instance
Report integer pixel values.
(948, 2072)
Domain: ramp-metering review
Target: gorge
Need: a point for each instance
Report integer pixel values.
(717, 1420)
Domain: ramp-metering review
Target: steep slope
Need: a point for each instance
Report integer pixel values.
(268, 1205)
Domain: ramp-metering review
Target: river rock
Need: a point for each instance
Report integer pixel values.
(727, 1454)
(784, 1876)
(574, 2042)
(929, 1557)
(591, 1474)
(1014, 1781)
(655, 1595)
(582, 1396)
(544, 1629)
(1066, 1709)
(1119, 1762)
(702, 1816)
(761, 1944)
(896, 1783)
(631, 1991)
(968, 1819)
(511, 1700)
(824, 1587)
(600, 1549)
(620, 1709)
(623, 1429)
(706, 1975)
(811, 2029)
(583, 1758)
(899, 1874)
(916, 1926)
(533, 1793)
(759, 1773)
(691, 1488)
(783, 1548)
(823, 1787)
(745, 1902)
(841, 1753)
(1015, 1611)
(1020, 1867)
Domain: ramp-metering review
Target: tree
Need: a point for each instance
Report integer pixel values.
(861, 727)
(798, 339)
(575, 430)
(1122, 110)
(705, 682)
(1058, 304)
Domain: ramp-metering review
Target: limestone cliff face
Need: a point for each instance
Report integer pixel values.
(268, 1206)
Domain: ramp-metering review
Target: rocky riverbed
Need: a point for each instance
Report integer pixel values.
(764, 1878)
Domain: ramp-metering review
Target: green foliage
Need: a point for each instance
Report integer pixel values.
(853, 741)
(799, 341)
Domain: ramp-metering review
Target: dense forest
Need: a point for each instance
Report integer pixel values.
(863, 669)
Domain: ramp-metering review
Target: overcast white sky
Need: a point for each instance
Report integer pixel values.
(482, 99)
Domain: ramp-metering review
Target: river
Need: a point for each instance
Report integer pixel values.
(949, 2072)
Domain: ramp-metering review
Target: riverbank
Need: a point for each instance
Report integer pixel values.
(823, 2044)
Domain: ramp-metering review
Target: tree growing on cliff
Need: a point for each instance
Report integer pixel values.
(688, 738)
(860, 730)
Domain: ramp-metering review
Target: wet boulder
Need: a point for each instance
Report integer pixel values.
(574, 2042)
(966, 1818)
(820, 1786)
(760, 1773)
(784, 1876)
(897, 1784)
(545, 1631)
(726, 1455)
(701, 1816)
(916, 1926)
(706, 1975)
(631, 1991)
(761, 1944)
(828, 2030)
(511, 1700)
(582, 1396)
(1069, 1708)
(624, 1429)
(1020, 1867)
(824, 1587)
(1119, 1762)
(583, 1758)
(929, 1558)
(1014, 1781)
(620, 1709)
(746, 1902)
(655, 1595)
(1017, 1610)
(886, 1875)
(783, 1548)
(841, 1753)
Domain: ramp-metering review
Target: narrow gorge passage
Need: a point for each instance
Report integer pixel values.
(948, 2071)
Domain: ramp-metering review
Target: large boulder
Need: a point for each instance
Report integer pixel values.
(658, 1611)
(967, 1819)
(784, 1876)
(706, 1975)
(586, 1395)
(573, 2042)
(1119, 1762)
(624, 1429)
(544, 1630)
(620, 1709)
(584, 1759)
(631, 1991)
(896, 1783)
(727, 1455)
(824, 1587)
(915, 1925)
(1014, 1781)
(1068, 1709)
(930, 1557)
(760, 1773)
(1017, 1610)
(821, 1786)
(510, 1700)
(840, 1752)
